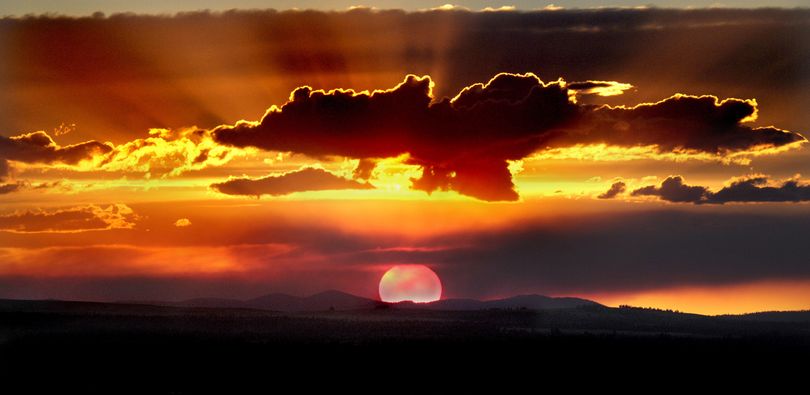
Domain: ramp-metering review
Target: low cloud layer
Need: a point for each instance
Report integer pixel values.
(11, 187)
(627, 252)
(306, 179)
(73, 219)
(756, 188)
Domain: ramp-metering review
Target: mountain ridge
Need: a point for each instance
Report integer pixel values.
(338, 300)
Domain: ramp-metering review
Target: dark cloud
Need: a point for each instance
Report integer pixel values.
(306, 179)
(464, 143)
(58, 185)
(682, 122)
(11, 187)
(615, 190)
(674, 190)
(755, 189)
(114, 61)
(38, 147)
(587, 85)
(660, 51)
(745, 189)
(73, 219)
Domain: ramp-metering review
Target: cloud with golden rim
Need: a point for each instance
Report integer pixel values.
(302, 180)
(464, 143)
(164, 153)
(616, 189)
(70, 220)
(39, 147)
(747, 189)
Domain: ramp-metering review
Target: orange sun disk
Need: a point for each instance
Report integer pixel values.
(415, 283)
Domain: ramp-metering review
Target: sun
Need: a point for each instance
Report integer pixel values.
(415, 283)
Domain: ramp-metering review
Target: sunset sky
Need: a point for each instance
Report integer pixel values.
(645, 156)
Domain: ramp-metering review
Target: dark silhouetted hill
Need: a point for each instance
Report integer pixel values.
(115, 345)
(531, 302)
(342, 301)
(329, 300)
(774, 316)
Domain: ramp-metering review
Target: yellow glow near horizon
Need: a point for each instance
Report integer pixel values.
(614, 153)
(774, 295)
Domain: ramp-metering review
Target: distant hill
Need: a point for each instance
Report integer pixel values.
(207, 302)
(342, 301)
(324, 301)
(530, 302)
(532, 313)
(329, 300)
(774, 316)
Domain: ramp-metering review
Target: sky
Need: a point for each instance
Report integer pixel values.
(652, 157)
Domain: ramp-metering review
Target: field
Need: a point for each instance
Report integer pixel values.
(96, 344)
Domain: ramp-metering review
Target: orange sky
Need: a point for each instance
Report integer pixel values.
(126, 173)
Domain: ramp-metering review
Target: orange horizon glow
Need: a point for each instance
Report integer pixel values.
(751, 297)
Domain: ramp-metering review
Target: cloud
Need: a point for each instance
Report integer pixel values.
(38, 147)
(163, 153)
(628, 251)
(601, 88)
(673, 189)
(464, 144)
(70, 220)
(302, 180)
(456, 142)
(182, 223)
(616, 189)
(756, 189)
(11, 187)
(753, 188)
(661, 50)
(18, 186)
(5, 170)
(684, 123)
(125, 260)
(169, 153)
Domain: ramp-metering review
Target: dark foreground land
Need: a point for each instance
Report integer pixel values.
(154, 348)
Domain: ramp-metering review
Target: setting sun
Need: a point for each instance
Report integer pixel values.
(415, 283)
